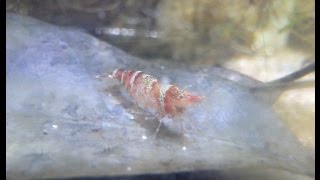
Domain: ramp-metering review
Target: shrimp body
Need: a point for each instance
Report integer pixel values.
(148, 93)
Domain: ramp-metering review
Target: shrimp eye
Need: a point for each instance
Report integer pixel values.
(178, 96)
(179, 109)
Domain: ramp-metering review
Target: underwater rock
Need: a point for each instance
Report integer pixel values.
(61, 121)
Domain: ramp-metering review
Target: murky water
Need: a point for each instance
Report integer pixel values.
(62, 121)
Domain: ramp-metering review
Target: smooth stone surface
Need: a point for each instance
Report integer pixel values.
(63, 122)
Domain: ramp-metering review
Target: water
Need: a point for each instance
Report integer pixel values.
(65, 122)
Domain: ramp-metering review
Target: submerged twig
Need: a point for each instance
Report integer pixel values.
(295, 75)
(287, 81)
(290, 85)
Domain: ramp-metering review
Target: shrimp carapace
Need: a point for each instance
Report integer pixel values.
(148, 93)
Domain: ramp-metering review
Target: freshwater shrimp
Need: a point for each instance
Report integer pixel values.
(148, 93)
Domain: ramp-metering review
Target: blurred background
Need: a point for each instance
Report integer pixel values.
(207, 31)
(262, 39)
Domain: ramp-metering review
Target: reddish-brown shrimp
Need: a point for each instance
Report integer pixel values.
(148, 93)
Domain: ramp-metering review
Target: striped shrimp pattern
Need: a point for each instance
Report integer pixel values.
(148, 93)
